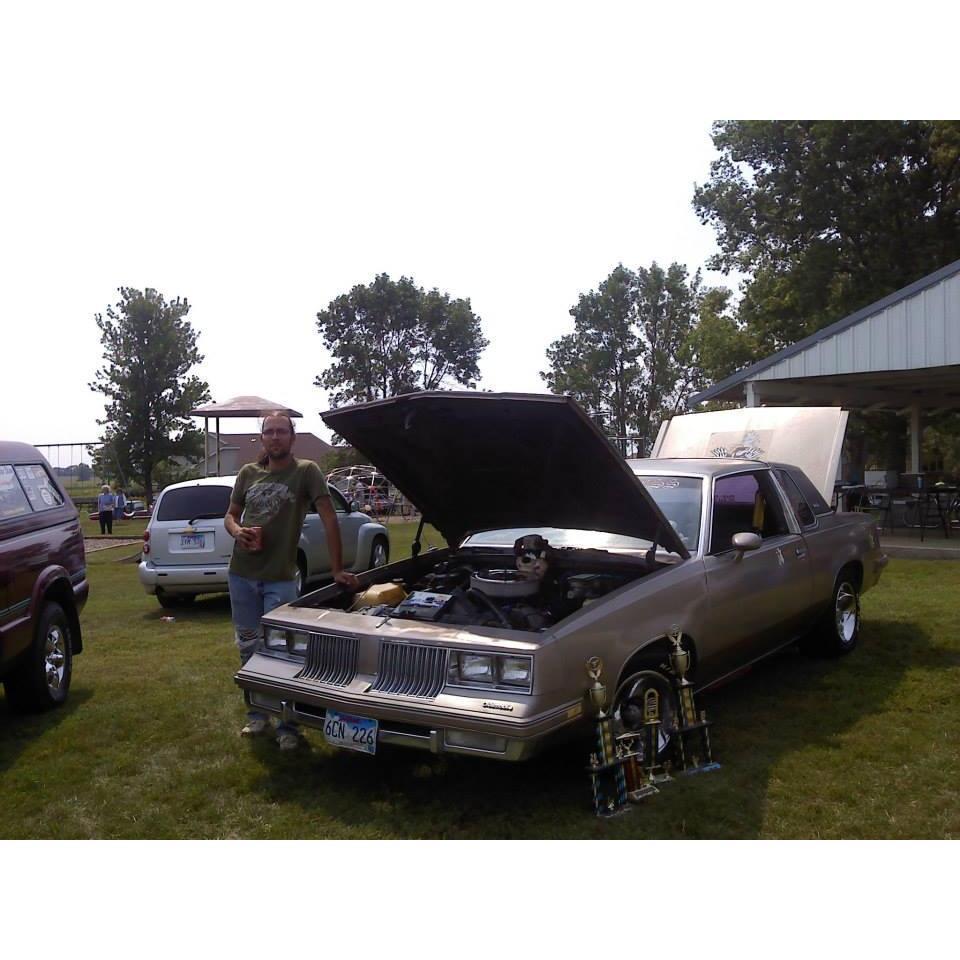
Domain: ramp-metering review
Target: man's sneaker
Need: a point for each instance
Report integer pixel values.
(288, 740)
(254, 727)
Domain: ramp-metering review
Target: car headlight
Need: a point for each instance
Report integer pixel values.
(287, 641)
(490, 670)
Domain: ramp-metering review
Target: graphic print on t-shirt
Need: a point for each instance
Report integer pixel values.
(264, 501)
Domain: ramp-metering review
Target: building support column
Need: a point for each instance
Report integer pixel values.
(752, 399)
(206, 455)
(915, 433)
(218, 446)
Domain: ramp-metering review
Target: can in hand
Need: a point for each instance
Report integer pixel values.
(257, 544)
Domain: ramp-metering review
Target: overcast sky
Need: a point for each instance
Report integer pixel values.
(261, 159)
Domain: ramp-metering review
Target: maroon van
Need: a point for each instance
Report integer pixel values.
(43, 581)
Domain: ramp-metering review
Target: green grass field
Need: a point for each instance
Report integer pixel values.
(148, 743)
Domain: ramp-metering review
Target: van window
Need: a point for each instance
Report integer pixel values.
(13, 501)
(189, 502)
(40, 489)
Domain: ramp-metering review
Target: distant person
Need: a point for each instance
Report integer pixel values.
(106, 504)
(267, 507)
(121, 503)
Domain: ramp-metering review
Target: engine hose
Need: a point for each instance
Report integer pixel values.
(483, 600)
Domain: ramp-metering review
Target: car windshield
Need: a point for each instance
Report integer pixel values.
(679, 500)
(557, 537)
(189, 502)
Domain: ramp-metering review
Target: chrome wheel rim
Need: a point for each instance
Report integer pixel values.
(668, 719)
(55, 658)
(847, 612)
(298, 579)
(379, 555)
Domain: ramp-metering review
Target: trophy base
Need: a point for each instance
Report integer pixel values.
(616, 812)
(702, 768)
(647, 790)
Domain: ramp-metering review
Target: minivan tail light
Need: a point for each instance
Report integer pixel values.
(146, 541)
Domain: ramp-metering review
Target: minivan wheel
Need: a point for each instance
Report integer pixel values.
(379, 553)
(301, 576)
(42, 681)
(171, 601)
(628, 708)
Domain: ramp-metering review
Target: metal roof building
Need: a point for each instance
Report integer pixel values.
(901, 353)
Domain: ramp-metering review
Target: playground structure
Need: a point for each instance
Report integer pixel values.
(371, 490)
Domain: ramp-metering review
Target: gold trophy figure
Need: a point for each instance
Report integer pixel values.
(693, 750)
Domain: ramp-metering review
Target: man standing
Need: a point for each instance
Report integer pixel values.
(269, 502)
(106, 503)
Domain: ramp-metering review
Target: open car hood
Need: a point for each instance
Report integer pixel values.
(807, 437)
(487, 461)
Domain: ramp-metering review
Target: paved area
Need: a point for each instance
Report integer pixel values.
(935, 546)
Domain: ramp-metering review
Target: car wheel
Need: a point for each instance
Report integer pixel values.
(379, 553)
(301, 576)
(43, 679)
(628, 707)
(171, 601)
(839, 629)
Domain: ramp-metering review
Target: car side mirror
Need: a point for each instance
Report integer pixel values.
(743, 542)
(354, 506)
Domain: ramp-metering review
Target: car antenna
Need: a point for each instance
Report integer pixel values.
(415, 546)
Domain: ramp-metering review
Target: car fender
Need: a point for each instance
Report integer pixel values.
(365, 537)
(53, 584)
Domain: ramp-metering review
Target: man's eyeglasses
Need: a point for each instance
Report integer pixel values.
(278, 432)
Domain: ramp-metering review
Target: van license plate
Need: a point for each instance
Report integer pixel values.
(192, 541)
(349, 732)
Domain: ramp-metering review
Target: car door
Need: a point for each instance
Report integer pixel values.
(758, 598)
(313, 540)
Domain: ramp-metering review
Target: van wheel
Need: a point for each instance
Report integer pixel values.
(379, 553)
(42, 681)
(171, 601)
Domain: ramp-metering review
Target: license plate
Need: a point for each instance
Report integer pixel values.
(192, 541)
(349, 732)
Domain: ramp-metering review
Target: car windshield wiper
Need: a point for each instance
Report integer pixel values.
(204, 516)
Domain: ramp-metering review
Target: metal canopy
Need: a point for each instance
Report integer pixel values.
(245, 406)
(901, 353)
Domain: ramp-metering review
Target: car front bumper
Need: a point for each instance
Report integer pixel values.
(269, 684)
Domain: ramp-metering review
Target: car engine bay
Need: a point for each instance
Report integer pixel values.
(477, 588)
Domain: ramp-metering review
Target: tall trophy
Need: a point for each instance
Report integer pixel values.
(693, 751)
(607, 776)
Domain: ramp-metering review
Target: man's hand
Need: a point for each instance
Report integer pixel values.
(246, 538)
(347, 579)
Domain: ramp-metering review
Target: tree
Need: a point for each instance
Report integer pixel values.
(391, 337)
(630, 360)
(149, 349)
(827, 217)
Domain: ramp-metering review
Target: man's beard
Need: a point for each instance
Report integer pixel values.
(271, 456)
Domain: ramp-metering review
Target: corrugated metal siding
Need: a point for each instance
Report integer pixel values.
(922, 331)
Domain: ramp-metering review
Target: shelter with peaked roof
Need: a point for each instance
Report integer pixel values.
(901, 353)
(246, 406)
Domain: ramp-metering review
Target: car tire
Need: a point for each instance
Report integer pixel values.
(301, 577)
(379, 553)
(627, 707)
(838, 630)
(43, 679)
(173, 601)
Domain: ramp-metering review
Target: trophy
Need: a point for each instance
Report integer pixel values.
(607, 777)
(693, 751)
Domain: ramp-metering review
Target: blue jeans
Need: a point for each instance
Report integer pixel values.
(249, 601)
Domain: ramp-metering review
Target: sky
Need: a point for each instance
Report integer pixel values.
(260, 160)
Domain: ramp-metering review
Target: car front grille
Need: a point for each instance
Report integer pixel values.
(410, 670)
(330, 659)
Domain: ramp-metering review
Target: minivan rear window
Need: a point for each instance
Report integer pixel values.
(190, 502)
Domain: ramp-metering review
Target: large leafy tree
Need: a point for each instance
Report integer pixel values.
(149, 349)
(826, 217)
(631, 360)
(391, 337)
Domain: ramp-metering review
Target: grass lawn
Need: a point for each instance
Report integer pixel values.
(148, 743)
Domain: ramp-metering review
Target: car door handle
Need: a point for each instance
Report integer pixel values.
(801, 552)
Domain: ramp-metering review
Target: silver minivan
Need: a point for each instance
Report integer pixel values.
(187, 550)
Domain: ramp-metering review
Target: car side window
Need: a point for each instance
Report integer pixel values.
(13, 501)
(745, 503)
(40, 489)
(810, 492)
(801, 508)
(339, 504)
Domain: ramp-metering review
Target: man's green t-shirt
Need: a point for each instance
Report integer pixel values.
(278, 502)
